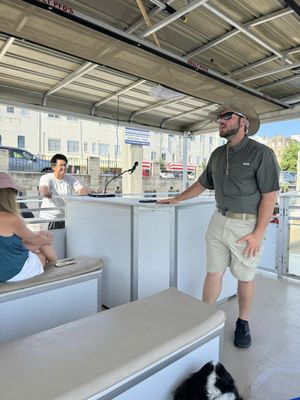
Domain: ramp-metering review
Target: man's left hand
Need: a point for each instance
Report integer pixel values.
(253, 244)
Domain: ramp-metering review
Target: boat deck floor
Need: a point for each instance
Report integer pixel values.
(270, 368)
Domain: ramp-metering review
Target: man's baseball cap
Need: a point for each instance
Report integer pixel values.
(240, 108)
(7, 182)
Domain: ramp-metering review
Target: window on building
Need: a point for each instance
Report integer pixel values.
(10, 110)
(52, 115)
(153, 156)
(85, 147)
(21, 142)
(163, 156)
(69, 118)
(73, 146)
(93, 147)
(173, 156)
(24, 113)
(0, 140)
(54, 145)
(210, 140)
(103, 149)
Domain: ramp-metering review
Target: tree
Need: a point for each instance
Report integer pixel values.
(290, 157)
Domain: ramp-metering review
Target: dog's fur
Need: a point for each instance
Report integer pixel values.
(211, 382)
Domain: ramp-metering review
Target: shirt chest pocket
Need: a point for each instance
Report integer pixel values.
(241, 180)
(242, 170)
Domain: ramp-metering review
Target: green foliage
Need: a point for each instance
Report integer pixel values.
(290, 156)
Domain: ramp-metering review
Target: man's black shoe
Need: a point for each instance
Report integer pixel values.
(242, 337)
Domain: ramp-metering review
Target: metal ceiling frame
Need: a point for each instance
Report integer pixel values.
(239, 28)
(80, 71)
(148, 46)
(135, 40)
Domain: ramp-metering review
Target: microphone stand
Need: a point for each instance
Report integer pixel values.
(107, 183)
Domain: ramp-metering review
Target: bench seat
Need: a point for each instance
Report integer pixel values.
(139, 350)
(57, 296)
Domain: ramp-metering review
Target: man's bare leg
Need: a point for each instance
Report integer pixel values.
(246, 290)
(212, 287)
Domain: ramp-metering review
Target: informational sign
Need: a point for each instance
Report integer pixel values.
(137, 136)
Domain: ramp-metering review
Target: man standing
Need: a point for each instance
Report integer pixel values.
(54, 186)
(245, 177)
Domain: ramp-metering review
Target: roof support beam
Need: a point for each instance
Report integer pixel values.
(267, 73)
(173, 17)
(244, 30)
(83, 69)
(6, 46)
(166, 120)
(292, 99)
(233, 32)
(147, 20)
(264, 61)
(279, 82)
(140, 22)
(156, 105)
(118, 93)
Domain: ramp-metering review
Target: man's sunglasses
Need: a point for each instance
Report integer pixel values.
(228, 115)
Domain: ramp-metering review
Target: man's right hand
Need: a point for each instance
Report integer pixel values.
(170, 200)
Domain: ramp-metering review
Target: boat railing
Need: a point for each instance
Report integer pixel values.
(289, 235)
(30, 207)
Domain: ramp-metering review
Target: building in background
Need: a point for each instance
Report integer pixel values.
(45, 134)
(276, 142)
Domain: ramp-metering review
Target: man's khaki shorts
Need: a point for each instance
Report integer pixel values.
(223, 249)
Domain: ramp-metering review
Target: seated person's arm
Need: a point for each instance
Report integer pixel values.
(78, 188)
(44, 191)
(82, 191)
(19, 228)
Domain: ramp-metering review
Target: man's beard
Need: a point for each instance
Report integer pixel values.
(230, 132)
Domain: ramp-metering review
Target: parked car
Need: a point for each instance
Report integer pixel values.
(288, 178)
(166, 174)
(23, 160)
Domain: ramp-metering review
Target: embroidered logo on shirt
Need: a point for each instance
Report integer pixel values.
(246, 163)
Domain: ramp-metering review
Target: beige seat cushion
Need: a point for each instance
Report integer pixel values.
(52, 274)
(82, 358)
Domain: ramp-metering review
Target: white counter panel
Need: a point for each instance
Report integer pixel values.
(94, 229)
(154, 249)
(146, 248)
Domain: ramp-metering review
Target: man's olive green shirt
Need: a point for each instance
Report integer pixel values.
(240, 175)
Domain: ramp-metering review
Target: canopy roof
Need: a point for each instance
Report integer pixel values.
(105, 59)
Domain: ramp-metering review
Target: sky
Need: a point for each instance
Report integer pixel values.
(283, 128)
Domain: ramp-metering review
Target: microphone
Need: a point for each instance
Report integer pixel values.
(134, 167)
(131, 170)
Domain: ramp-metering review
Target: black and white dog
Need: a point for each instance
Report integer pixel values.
(211, 382)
